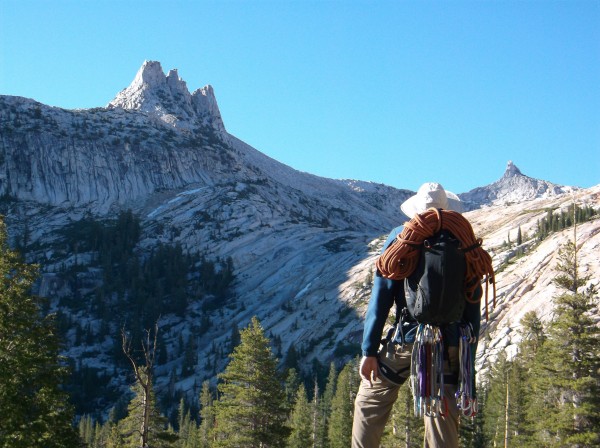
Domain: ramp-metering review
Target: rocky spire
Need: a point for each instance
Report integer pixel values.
(168, 98)
(511, 170)
(207, 110)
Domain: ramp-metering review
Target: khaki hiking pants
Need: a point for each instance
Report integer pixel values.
(373, 405)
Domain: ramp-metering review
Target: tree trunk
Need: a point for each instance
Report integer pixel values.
(506, 417)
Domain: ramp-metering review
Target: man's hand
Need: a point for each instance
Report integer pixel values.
(368, 369)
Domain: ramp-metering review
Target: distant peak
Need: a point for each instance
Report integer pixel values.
(511, 170)
(168, 98)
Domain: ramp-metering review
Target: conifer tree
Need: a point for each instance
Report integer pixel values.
(207, 417)
(566, 374)
(504, 422)
(115, 438)
(144, 426)
(317, 424)
(86, 430)
(568, 277)
(324, 408)
(35, 412)
(342, 407)
(292, 383)
(533, 336)
(529, 356)
(301, 422)
(235, 336)
(185, 425)
(251, 409)
(101, 433)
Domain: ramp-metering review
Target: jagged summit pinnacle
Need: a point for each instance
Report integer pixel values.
(511, 170)
(168, 98)
(513, 186)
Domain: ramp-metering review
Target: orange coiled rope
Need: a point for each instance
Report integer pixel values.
(400, 259)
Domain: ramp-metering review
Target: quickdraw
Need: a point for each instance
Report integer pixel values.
(427, 377)
(465, 395)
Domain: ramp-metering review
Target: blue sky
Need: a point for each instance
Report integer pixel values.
(395, 92)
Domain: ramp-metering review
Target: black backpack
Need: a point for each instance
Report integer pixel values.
(435, 291)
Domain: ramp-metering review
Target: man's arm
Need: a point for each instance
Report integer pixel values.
(383, 295)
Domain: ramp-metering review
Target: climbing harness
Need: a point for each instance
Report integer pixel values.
(400, 259)
(465, 395)
(427, 376)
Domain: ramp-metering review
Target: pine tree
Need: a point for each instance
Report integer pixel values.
(528, 357)
(86, 430)
(566, 374)
(301, 422)
(292, 383)
(35, 412)
(251, 408)
(185, 425)
(342, 407)
(115, 438)
(533, 336)
(567, 266)
(235, 336)
(324, 408)
(101, 433)
(495, 404)
(190, 357)
(207, 417)
(144, 426)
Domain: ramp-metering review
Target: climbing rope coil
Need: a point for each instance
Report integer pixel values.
(400, 259)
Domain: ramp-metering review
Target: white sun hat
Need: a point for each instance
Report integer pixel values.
(431, 194)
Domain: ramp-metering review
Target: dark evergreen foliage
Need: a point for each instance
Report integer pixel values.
(142, 286)
(251, 410)
(35, 411)
(554, 222)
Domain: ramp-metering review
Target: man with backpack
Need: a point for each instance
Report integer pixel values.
(384, 369)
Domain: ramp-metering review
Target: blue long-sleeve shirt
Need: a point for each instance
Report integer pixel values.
(386, 292)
